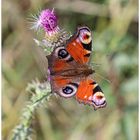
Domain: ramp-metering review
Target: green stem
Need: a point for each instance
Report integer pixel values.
(41, 92)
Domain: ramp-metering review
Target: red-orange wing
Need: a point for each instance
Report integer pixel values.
(90, 93)
(80, 45)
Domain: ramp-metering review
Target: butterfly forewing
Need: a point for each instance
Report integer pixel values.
(80, 45)
(90, 93)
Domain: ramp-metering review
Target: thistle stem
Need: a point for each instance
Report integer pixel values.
(41, 92)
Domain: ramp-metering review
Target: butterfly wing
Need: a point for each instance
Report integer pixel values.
(89, 92)
(80, 45)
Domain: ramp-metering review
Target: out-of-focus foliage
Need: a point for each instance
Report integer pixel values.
(115, 47)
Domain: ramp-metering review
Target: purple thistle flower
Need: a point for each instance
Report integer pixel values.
(48, 21)
(54, 36)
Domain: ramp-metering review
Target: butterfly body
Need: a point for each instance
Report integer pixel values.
(70, 73)
(75, 71)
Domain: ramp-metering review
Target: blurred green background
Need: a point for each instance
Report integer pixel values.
(114, 24)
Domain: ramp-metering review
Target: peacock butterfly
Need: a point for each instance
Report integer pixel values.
(70, 73)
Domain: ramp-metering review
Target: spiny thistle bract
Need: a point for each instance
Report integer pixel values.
(41, 92)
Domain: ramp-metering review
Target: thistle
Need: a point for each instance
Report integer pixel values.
(54, 36)
(48, 21)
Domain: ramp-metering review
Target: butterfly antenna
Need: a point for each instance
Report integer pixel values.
(102, 77)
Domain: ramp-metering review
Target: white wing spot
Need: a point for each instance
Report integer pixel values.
(74, 43)
(85, 96)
